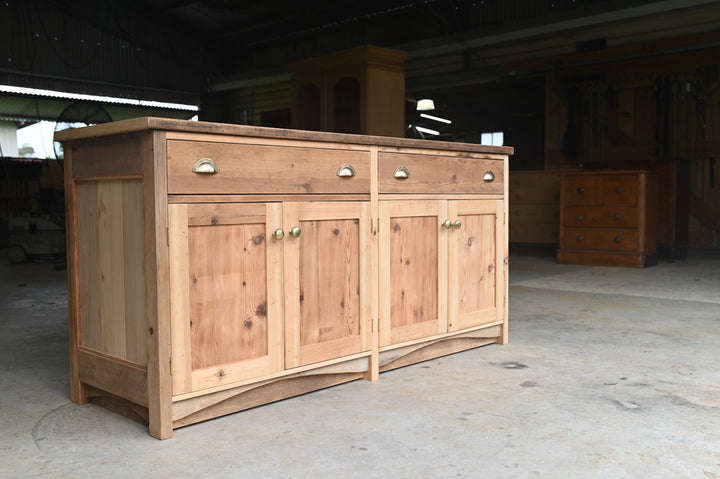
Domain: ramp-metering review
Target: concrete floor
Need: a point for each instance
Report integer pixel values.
(610, 373)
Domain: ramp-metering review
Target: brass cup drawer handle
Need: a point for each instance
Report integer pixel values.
(206, 166)
(346, 171)
(401, 173)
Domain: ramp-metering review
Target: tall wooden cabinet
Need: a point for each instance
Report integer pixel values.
(359, 90)
(213, 268)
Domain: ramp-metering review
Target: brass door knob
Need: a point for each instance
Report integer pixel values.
(295, 232)
(278, 234)
(457, 225)
(447, 224)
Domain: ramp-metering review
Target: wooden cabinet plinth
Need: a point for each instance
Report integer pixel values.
(213, 268)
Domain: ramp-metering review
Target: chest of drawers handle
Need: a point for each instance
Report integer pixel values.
(617, 217)
(206, 166)
(581, 190)
(579, 217)
(488, 176)
(401, 172)
(619, 190)
(618, 239)
(346, 171)
(580, 238)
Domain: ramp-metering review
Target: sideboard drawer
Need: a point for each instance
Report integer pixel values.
(601, 239)
(415, 173)
(618, 216)
(250, 169)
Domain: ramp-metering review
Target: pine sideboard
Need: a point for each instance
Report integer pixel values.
(214, 267)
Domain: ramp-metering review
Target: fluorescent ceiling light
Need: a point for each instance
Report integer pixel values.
(98, 98)
(427, 130)
(425, 105)
(436, 118)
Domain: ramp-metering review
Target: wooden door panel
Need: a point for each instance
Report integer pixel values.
(327, 280)
(413, 246)
(228, 319)
(475, 263)
(228, 297)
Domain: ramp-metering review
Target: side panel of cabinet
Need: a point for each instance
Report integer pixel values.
(327, 281)
(475, 264)
(413, 259)
(225, 287)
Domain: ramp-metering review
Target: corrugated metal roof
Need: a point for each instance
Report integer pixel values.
(24, 109)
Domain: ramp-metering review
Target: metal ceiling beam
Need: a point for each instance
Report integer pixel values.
(589, 17)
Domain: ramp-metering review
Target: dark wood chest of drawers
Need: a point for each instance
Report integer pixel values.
(608, 218)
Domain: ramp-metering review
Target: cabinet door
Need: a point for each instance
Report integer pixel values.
(327, 281)
(476, 257)
(225, 289)
(413, 255)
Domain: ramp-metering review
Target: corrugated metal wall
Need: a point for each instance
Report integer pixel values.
(42, 47)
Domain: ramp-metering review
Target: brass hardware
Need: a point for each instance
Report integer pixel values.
(488, 176)
(401, 172)
(579, 217)
(449, 224)
(278, 234)
(295, 232)
(346, 171)
(206, 166)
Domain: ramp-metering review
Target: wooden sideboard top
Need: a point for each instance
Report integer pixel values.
(166, 124)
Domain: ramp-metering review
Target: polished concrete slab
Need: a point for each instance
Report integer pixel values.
(610, 373)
